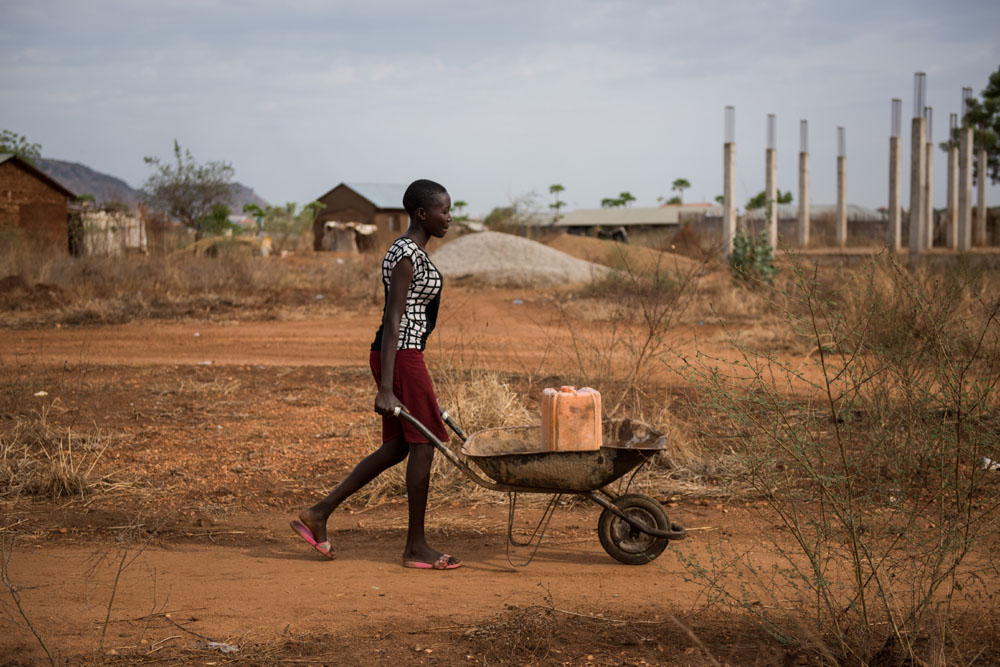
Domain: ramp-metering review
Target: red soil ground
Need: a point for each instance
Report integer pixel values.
(225, 429)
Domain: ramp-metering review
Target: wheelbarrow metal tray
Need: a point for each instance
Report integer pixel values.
(514, 456)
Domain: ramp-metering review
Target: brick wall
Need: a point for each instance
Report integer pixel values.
(33, 206)
(344, 205)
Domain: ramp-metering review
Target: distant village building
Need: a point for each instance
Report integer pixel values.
(790, 212)
(349, 236)
(33, 204)
(590, 220)
(378, 204)
(110, 232)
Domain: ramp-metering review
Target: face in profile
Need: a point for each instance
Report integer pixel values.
(437, 216)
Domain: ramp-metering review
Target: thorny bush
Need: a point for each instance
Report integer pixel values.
(871, 454)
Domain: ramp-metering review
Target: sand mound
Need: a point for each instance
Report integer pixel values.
(616, 255)
(505, 259)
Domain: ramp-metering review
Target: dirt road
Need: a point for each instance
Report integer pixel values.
(224, 429)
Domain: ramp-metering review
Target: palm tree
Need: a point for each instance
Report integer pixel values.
(554, 190)
(680, 185)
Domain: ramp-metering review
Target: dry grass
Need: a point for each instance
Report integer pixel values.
(39, 288)
(477, 400)
(39, 460)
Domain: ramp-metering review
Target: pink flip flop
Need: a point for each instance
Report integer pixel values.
(323, 547)
(442, 563)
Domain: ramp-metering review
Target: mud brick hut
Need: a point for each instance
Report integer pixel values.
(33, 204)
(379, 204)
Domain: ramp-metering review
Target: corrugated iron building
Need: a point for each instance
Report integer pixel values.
(583, 220)
(33, 204)
(379, 204)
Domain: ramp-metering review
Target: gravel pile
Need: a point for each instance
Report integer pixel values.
(505, 259)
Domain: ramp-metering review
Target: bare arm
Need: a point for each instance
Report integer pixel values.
(399, 284)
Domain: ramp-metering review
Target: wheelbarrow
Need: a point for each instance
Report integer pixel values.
(632, 528)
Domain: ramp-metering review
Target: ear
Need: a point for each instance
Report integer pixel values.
(421, 213)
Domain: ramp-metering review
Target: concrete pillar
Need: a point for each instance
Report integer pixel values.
(803, 219)
(728, 180)
(895, 180)
(841, 200)
(928, 239)
(980, 236)
(804, 199)
(728, 205)
(951, 226)
(918, 183)
(771, 196)
(965, 189)
(771, 185)
(929, 196)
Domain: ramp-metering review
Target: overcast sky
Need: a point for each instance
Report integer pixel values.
(493, 99)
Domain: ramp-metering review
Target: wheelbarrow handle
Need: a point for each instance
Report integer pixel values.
(445, 449)
(453, 425)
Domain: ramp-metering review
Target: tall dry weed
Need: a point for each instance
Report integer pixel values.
(477, 400)
(44, 287)
(875, 470)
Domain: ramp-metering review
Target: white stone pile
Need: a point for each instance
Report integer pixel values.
(505, 259)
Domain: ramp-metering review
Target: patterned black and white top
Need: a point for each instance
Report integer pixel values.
(422, 298)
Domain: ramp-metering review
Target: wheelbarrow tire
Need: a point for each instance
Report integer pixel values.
(627, 544)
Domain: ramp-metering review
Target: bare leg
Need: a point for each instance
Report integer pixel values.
(373, 465)
(418, 478)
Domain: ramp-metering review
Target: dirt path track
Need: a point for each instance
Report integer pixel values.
(257, 449)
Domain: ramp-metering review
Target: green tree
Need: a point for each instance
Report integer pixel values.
(11, 142)
(759, 199)
(557, 204)
(459, 208)
(216, 221)
(284, 223)
(187, 190)
(675, 200)
(623, 199)
(983, 117)
(680, 185)
(720, 199)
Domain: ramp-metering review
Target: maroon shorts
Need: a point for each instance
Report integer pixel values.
(411, 383)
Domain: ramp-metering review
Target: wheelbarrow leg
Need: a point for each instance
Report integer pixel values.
(536, 536)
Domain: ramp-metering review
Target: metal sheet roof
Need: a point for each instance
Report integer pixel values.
(590, 217)
(791, 211)
(382, 195)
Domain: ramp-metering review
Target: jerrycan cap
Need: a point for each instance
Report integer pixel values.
(567, 389)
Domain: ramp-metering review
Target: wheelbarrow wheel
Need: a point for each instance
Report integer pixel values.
(627, 544)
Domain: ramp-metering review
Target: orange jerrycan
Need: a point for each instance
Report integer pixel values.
(571, 419)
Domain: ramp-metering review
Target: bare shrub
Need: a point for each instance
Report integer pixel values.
(875, 470)
(516, 636)
(643, 300)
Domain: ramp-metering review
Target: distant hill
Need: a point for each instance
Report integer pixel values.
(107, 189)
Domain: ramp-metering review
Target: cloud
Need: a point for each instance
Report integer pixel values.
(501, 98)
